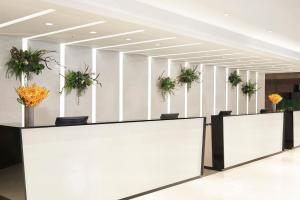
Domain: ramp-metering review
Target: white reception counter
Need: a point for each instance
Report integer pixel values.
(110, 160)
(240, 139)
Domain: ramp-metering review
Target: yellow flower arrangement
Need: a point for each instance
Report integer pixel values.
(275, 98)
(31, 96)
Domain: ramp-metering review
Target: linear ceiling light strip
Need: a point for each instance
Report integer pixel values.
(28, 17)
(66, 29)
(192, 52)
(167, 47)
(105, 37)
(135, 43)
(208, 56)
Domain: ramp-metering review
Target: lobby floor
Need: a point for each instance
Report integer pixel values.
(276, 178)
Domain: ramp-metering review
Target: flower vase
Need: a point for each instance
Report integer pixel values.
(274, 107)
(29, 116)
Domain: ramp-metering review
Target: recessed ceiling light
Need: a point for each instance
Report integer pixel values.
(157, 44)
(93, 32)
(128, 39)
(270, 31)
(49, 24)
(227, 15)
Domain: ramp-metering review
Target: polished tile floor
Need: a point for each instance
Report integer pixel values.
(274, 178)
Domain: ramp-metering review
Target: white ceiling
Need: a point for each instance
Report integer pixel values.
(114, 34)
(274, 21)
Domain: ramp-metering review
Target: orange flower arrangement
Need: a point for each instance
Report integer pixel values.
(275, 98)
(31, 96)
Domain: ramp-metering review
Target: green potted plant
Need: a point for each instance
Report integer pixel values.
(249, 88)
(27, 62)
(188, 76)
(166, 85)
(79, 81)
(234, 79)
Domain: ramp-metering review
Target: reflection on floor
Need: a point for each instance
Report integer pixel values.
(276, 178)
(12, 184)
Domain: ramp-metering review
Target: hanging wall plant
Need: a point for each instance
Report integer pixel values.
(234, 79)
(188, 76)
(166, 85)
(28, 62)
(249, 88)
(79, 81)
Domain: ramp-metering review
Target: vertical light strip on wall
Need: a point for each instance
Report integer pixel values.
(94, 86)
(121, 63)
(169, 96)
(247, 100)
(215, 89)
(201, 90)
(237, 95)
(256, 92)
(23, 81)
(149, 86)
(62, 53)
(185, 95)
(226, 88)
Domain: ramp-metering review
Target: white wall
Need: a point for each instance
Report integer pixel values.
(208, 93)
(10, 109)
(177, 100)
(159, 105)
(47, 111)
(242, 97)
(135, 87)
(107, 96)
(194, 98)
(135, 94)
(76, 59)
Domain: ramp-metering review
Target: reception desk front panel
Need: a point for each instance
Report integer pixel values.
(110, 161)
(244, 138)
(249, 137)
(296, 132)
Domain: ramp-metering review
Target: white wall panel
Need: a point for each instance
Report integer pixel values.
(48, 110)
(194, 98)
(76, 58)
(135, 87)
(208, 93)
(261, 91)
(10, 109)
(242, 97)
(232, 94)
(221, 89)
(159, 105)
(252, 100)
(246, 138)
(107, 95)
(177, 100)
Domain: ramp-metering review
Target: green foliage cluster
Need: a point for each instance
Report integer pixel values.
(234, 79)
(249, 88)
(166, 85)
(287, 104)
(28, 62)
(79, 81)
(188, 76)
